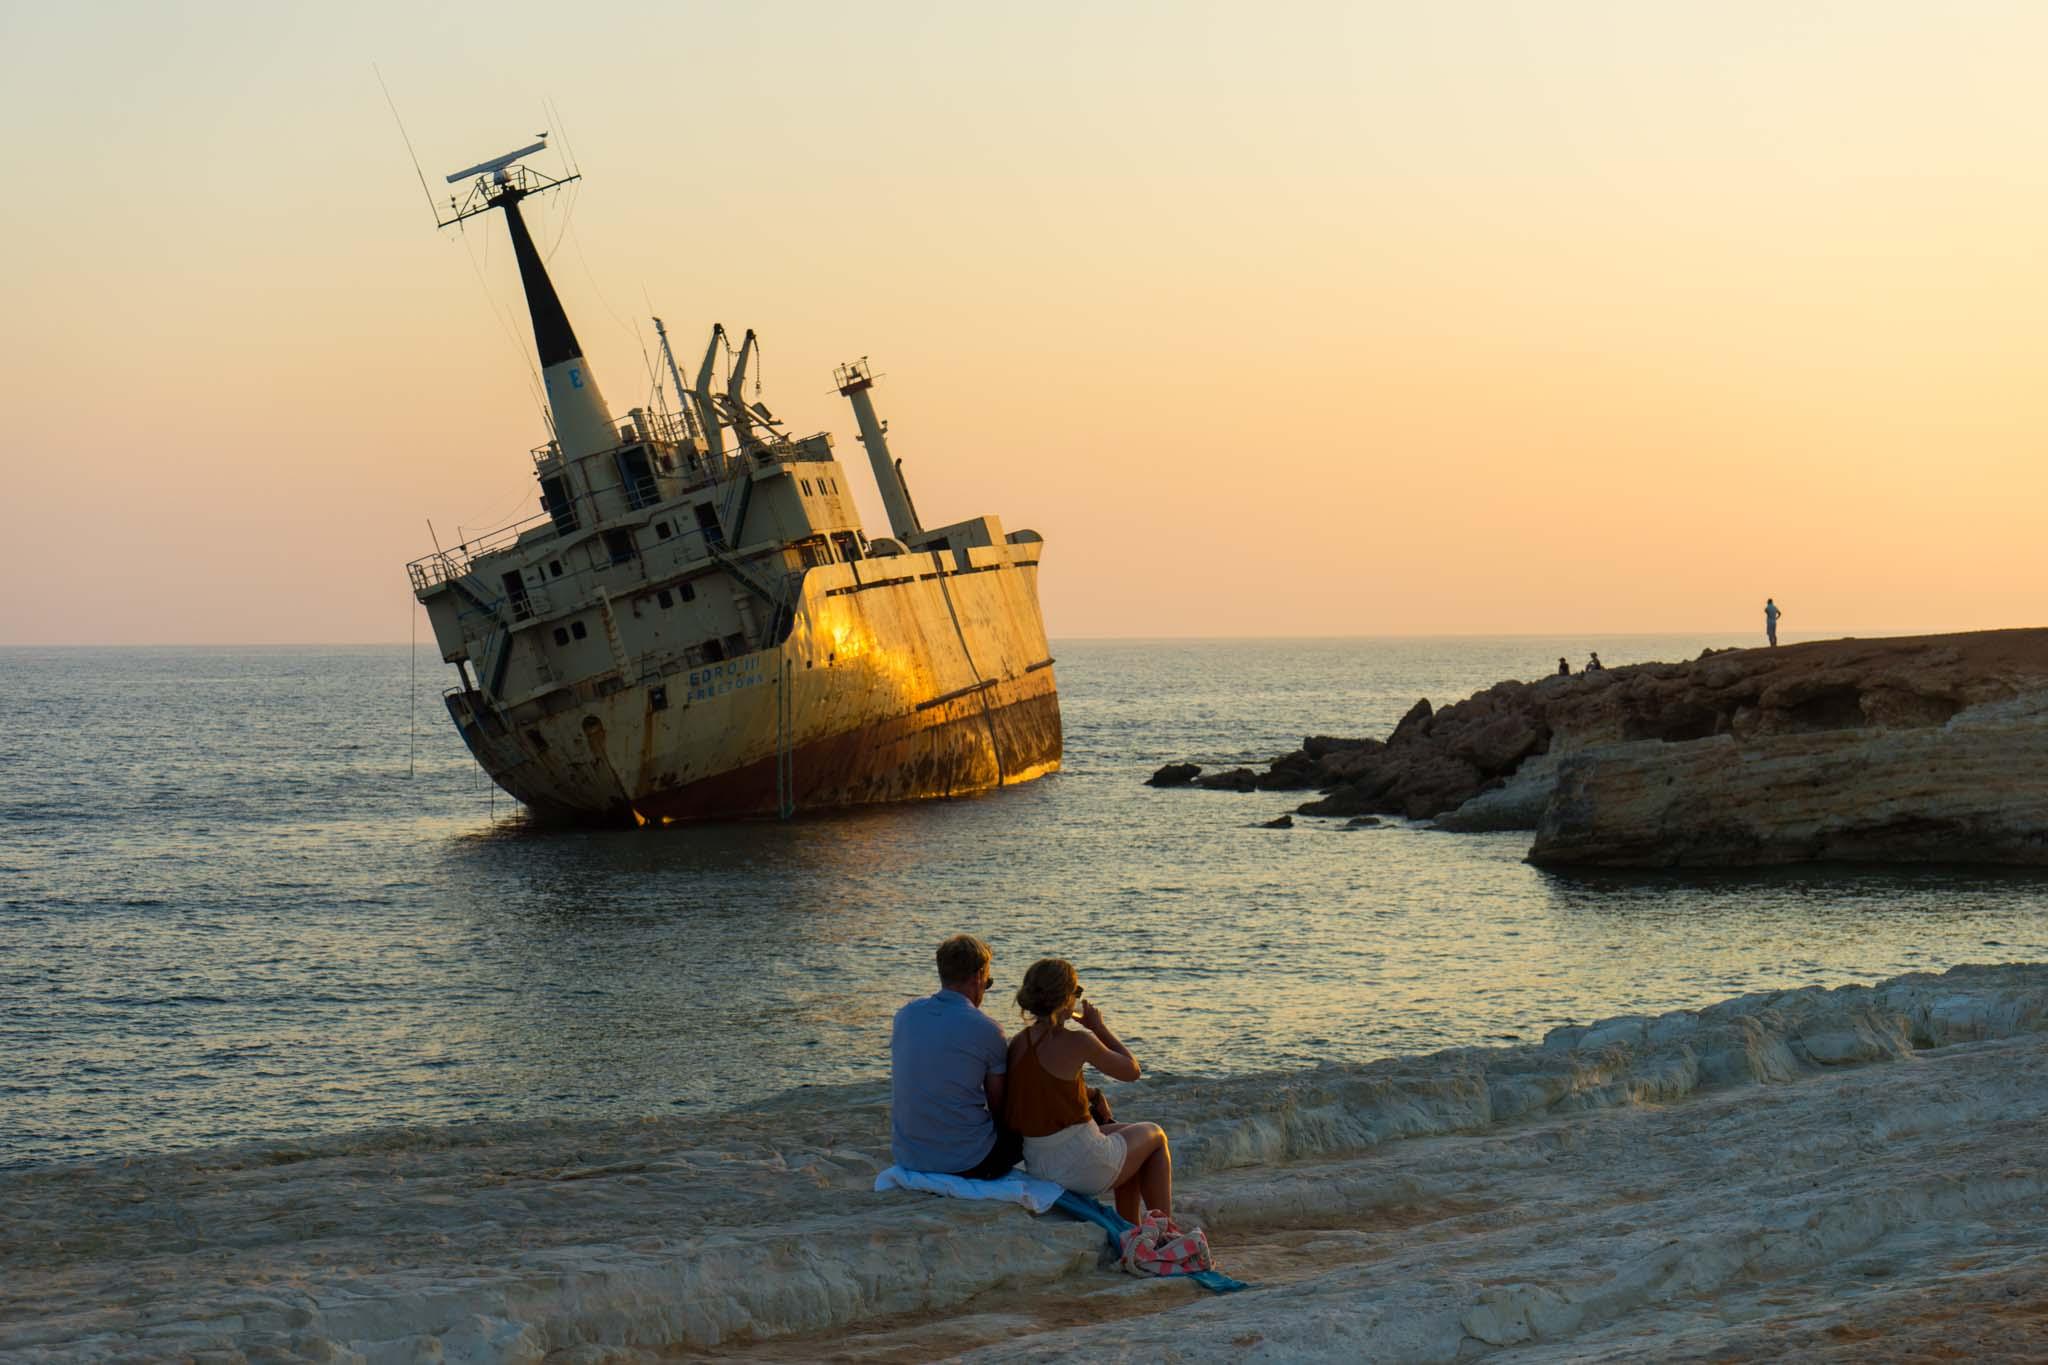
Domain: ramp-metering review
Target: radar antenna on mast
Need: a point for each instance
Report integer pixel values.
(499, 179)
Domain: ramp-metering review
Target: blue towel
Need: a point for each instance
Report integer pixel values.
(1115, 1224)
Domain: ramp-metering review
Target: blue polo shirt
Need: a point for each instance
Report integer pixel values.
(941, 1048)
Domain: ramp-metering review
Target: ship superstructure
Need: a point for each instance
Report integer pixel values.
(695, 625)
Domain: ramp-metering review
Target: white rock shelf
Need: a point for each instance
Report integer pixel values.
(1853, 1174)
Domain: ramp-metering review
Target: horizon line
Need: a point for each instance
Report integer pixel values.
(1854, 632)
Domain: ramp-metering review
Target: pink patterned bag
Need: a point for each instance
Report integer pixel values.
(1157, 1246)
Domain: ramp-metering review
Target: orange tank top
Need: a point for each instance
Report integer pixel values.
(1038, 1103)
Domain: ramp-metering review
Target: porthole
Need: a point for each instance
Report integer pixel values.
(561, 636)
(576, 629)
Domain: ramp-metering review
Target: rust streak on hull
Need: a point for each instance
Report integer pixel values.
(902, 759)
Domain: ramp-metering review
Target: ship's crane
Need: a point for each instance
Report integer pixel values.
(706, 408)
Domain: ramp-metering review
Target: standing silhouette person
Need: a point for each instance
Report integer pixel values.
(1771, 615)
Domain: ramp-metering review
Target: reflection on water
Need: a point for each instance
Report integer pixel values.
(227, 912)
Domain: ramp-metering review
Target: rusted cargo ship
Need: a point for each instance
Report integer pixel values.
(695, 624)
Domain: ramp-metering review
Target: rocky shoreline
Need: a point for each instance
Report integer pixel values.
(1845, 1174)
(1916, 749)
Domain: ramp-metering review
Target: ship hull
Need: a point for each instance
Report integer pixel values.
(903, 678)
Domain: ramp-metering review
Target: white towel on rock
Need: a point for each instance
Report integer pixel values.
(1036, 1195)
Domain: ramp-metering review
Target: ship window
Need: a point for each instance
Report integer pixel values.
(555, 567)
(561, 636)
(620, 544)
(712, 651)
(657, 697)
(537, 740)
(849, 546)
(735, 645)
(554, 496)
(688, 591)
(666, 598)
(576, 629)
(693, 655)
(662, 529)
(638, 477)
(807, 486)
(707, 522)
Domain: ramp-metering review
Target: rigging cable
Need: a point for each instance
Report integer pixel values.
(393, 106)
(536, 390)
(412, 739)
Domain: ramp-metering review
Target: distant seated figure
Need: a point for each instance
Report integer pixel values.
(1065, 1140)
(1564, 670)
(946, 1074)
(1593, 664)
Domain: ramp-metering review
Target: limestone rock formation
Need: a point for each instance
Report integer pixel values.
(1468, 765)
(1957, 793)
(1831, 1165)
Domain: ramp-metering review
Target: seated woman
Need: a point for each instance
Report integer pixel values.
(1046, 1102)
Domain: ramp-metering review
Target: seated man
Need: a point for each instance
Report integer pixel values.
(946, 1072)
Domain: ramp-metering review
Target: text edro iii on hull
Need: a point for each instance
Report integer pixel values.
(695, 624)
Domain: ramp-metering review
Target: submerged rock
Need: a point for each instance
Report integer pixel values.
(1236, 780)
(1175, 775)
(1284, 822)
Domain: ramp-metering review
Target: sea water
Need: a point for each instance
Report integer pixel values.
(265, 894)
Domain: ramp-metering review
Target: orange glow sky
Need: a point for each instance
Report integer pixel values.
(1279, 319)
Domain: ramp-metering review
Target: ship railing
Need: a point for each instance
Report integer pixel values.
(442, 565)
(530, 604)
(656, 428)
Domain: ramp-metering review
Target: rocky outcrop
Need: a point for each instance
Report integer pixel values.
(1478, 750)
(1175, 775)
(1969, 791)
(1235, 780)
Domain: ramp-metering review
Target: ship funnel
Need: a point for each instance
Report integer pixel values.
(856, 381)
(583, 424)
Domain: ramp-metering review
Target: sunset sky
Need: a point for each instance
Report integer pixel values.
(1274, 319)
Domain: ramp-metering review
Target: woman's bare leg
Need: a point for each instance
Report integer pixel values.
(1155, 1178)
(1130, 1205)
(1142, 1142)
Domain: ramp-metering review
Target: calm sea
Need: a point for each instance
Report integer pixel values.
(240, 899)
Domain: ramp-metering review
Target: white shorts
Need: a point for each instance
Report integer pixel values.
(1081, 1157)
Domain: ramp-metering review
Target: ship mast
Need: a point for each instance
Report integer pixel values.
(855, 383)
(583, 424)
